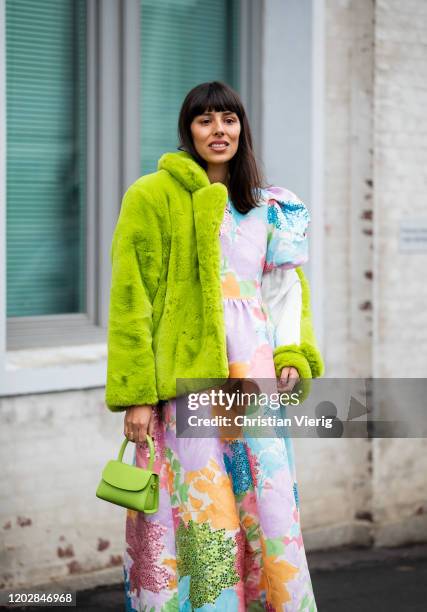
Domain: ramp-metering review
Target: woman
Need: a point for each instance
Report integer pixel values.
(206, 284)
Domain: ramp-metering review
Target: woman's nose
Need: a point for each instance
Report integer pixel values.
(218, 127)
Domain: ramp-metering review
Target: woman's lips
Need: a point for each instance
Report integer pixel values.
(218, 148)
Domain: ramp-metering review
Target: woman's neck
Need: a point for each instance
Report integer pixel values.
(218, 173)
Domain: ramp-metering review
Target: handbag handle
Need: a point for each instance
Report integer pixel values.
(150, 446)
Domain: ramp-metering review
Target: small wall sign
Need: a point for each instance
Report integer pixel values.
(413, 235)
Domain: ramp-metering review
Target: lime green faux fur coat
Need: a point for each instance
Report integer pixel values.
(166, 315)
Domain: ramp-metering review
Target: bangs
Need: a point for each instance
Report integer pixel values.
(215, 98)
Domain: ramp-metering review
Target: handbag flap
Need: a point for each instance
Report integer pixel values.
(125, 476)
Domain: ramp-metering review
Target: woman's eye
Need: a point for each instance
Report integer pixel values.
(227, 120)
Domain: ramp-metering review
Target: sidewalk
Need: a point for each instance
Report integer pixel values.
(364, 580)
(344, 580)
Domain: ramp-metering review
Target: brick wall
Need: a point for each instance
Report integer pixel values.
(376, 174)
(54, 447)
(400, 316)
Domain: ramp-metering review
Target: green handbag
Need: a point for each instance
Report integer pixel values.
(130, 486)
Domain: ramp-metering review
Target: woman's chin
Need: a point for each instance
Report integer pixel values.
(218, 158)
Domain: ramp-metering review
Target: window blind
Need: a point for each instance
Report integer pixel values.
(183, 43)
(46, 160)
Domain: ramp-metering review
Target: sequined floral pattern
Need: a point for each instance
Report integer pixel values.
(144, 548)
(207, 556)
(237, 465)
(227, 534)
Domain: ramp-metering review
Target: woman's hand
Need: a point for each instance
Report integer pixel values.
(139, 421)
(288, 378)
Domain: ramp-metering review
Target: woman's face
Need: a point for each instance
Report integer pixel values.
(216, 135)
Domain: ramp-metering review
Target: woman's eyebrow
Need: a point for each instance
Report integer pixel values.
(223, 112)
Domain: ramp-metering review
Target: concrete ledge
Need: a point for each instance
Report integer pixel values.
(409, 530)
(331, 537)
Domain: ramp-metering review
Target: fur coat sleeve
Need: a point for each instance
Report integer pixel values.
(136, 257)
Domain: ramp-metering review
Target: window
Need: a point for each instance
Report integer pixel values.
(50, 254)
(46, 174)
(183, 43)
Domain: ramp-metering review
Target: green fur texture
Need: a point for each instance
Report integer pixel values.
(166, 319)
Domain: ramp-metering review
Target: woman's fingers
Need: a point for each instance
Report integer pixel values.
(142, 432)
(288, 378)
(137, 419)
(136, 433)
(283, 380)
(151, 426)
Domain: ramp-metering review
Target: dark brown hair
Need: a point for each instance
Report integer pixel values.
(245, 177)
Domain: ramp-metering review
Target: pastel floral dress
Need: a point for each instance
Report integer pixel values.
(227, 535)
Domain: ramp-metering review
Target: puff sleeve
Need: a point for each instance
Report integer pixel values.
(288, 220)
(285, 289)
